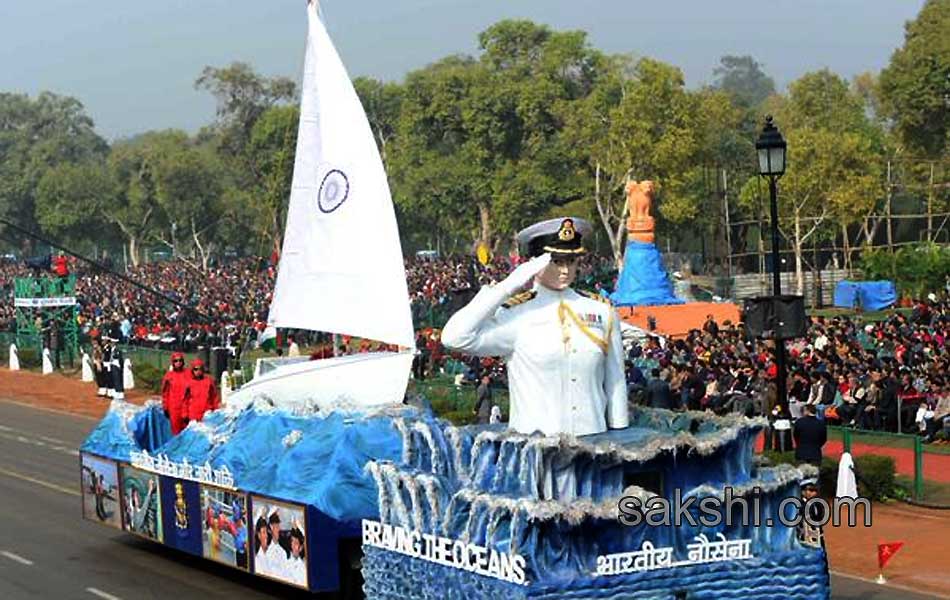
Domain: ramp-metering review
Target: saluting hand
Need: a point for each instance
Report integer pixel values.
(525, 272)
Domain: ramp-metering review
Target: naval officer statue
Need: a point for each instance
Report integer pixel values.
(563, 349)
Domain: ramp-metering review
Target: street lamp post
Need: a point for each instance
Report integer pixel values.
(771, 148)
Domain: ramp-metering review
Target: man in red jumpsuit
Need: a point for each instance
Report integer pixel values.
(174, 384)
(201, 395)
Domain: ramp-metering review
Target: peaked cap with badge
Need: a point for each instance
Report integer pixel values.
(561, 236)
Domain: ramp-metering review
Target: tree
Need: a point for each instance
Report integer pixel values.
(36, 135)
(478, 142)
(270, 152)
(822, 100)
(639, 122)
(243, 96)
(136, 165)
(833, 177)
(744, 80)
(915, 85)
(381, 102)
(69, 198)
(190, 193)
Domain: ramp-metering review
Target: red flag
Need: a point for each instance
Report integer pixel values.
(886, 551)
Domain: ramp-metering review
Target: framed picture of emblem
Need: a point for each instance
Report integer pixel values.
(141, 503)
(224, 526)
(182, 515)
(279, 541)
(100, 491)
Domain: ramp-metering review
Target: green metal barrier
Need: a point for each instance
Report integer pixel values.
(874, 440)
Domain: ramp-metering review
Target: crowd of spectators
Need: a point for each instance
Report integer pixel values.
(874, 375)
(890, 375)
(227, 302)
(233, 297)
(886, 375)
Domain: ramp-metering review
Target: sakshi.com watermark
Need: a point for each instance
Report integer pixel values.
(746, 509)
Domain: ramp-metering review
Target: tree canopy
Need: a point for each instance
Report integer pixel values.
(915, 86)
(536, 123)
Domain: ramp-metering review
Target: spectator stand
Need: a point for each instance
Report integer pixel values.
(45, 313)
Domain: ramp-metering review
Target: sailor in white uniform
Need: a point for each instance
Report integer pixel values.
(563, 349)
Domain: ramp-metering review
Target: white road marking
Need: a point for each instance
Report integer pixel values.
(65, 413)
(17, 558)
(53, 440)
(46, 484)
(101, 594)
(903, 588)
(34, 442)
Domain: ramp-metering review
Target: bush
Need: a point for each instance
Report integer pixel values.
(148, 377)
(915, 269)
(459, 417)
(30, 358)
(876, 477)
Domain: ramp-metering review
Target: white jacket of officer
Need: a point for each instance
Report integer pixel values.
(563, 350)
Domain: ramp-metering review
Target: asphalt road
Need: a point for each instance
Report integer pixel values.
(48, 551)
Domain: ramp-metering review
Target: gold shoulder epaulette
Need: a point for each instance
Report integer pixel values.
(519, 298)
(597, 297)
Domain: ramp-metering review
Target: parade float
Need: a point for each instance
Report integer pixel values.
(317, 476)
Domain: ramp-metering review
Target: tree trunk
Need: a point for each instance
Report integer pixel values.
(847, 247)
(203, 254)
(484, 219)
(890, 231)
(134, 250)
(930, 206)
(799, 277)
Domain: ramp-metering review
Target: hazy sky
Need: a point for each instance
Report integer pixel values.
(133, 62)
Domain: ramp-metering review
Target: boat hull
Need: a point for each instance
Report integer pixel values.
(352, 381)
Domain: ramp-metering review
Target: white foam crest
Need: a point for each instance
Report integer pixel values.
(438, 460)
(382, 491)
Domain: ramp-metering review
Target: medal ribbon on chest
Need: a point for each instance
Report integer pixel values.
(564, 311)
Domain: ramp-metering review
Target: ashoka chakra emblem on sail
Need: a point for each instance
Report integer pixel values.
(334, 190)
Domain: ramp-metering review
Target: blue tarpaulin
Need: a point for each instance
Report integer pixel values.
(314, 460)
(643, 281)
(869, 295)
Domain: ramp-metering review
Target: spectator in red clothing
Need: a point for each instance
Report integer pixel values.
(59, 265)
(201, 395)
(174, 385)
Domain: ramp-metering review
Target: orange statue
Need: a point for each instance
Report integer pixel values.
(640, 224)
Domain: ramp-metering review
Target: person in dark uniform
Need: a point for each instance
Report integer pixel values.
(99, 367)
(811, 533)
(659, 394)
(483, 400)
(810, 435)
(55, 343)
(115, 371)
(107, 380)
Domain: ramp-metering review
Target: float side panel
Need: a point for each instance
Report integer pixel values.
(799, 575)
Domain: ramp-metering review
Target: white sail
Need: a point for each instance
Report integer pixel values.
(341, 267)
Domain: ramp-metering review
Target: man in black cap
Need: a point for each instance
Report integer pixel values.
(563, 349)
(810, 531)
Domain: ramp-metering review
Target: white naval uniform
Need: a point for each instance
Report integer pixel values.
(559, 379)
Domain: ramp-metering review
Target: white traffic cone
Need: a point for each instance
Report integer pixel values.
(47, 362)
(87, 374)
(128, 379)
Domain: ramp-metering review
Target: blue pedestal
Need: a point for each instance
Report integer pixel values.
(644, 280)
